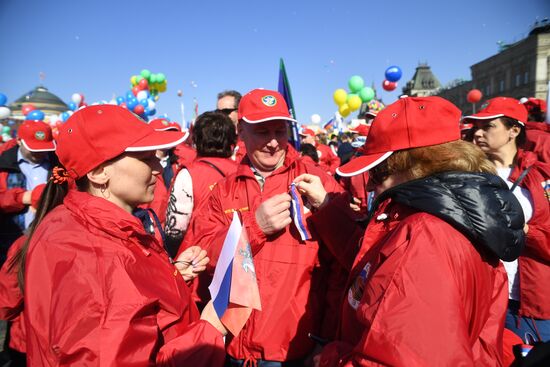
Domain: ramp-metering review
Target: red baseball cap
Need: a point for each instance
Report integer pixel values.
(36, 136)
(531, 103)
(307, 132)
(96, 134)
(361, 129)
(261, 105)
(165, 125)
(410, 122)
(499, 107)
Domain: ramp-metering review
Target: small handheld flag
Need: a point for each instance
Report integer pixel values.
(234, 288)
(297, 213)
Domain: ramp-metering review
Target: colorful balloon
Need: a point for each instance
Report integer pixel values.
(340, 96)
(133, 80)
(143, 84)
(3, 99)
(76, 98)
(356, 83)
(4, 112)
(354, 102)
(131, 103)
(142, 94)
(35, 115)
(366, 94)
(344, 110)
(72, 106)
(135, 90)
(315, 119)
(64, 116)
(27, 108)
(474, 96)
(389, 86)
(393, 73)
(119, 100)
(139, 109)
(145, 73)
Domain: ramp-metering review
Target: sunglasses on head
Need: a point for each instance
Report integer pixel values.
(226, 111)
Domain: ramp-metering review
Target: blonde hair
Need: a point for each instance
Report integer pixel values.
(456, 155)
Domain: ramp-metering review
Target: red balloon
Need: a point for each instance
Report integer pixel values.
(83, 104)
(27, 108)
(135, 90)
(143, 84)
(389, 86)
(123, 104)
(474, 96)
(139, 109)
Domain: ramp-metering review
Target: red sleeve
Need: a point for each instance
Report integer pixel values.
(538, 236)
(201, 345)
(11, 201)
(11, 299)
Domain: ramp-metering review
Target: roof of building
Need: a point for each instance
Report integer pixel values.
(42, 99)
(423, 79)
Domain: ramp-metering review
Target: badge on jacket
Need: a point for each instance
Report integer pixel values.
(356, 290)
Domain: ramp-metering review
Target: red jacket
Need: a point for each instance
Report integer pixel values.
(293, 285)
(538, 141)
(327, 159)
(99, 291)
(534, 263)
(420, 293)
(11, 299)
(185, 154)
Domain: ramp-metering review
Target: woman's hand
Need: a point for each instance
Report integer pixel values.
(312, 187)
(191, 262)
(210, 315)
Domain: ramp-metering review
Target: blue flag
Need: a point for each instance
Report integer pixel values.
(284, 89)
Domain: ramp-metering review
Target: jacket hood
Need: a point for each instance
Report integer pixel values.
(479, 205)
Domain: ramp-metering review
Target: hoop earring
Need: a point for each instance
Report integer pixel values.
(102, 189)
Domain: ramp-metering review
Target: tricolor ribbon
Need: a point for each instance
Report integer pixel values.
(297, 213)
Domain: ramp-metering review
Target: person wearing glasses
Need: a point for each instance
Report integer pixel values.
(426, 286)
(228, 104)
(99, 289)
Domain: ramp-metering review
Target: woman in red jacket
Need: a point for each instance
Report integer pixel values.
(99, 289)
(499, 130)
(426, 287)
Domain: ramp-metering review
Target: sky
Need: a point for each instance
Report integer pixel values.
(204, 47)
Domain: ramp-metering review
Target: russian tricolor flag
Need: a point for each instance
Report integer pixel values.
(297, 213)
(234, 288)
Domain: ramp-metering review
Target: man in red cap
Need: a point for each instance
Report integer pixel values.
(327, 159)
(293, 273)
(24, 169)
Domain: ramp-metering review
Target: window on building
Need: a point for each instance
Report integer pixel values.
(518, 80)
(501, 86)
(488, 90)
(526, 77)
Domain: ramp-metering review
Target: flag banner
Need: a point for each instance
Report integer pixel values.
(234, 288)
(298, 214)
(329, 124)
(284, 89)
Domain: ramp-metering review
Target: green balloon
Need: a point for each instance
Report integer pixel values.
(356, 83)
(160, 77)
(366, 94)
(153, 79)
(139, 77)
(145, 73)
(5, 129)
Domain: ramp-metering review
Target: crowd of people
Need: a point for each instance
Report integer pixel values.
(424, 241)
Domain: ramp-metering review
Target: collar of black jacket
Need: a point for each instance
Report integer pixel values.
(479, 205)
(8, 160)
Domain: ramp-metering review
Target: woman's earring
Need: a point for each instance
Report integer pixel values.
(103, 188)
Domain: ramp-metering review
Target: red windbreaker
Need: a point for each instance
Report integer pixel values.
(420, 292)
(293, 275)
(100, 291)
(327, 159)
(11, 299)
(534, 263)
(538, 140)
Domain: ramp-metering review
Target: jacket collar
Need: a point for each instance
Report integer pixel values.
(291, 156)
(104, 215)
(8, 160)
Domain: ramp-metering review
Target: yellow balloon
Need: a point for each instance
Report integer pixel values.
(354, 102)
(162, 88)
(340, 96)
(344, 110)
(133, 80)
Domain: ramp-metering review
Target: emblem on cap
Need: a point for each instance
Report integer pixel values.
(484, 106)
(269, 100)
(165, 123)
(40, 135)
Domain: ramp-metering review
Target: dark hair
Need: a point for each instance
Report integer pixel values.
(214, 135)
(509, 122)
(51, 197)
(231, 93)
(310, 151)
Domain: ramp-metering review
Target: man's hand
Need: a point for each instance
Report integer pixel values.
(191, 262)
(274, 214)
(312, 187)
(26, 199)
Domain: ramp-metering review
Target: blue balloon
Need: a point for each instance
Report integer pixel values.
(144, 103)
(152, 112)
(35, 115)
(393, 73)
(3, 99)
(65, 116)
(72, 106)
(129, 95)
(131, 103)
(119, 100)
